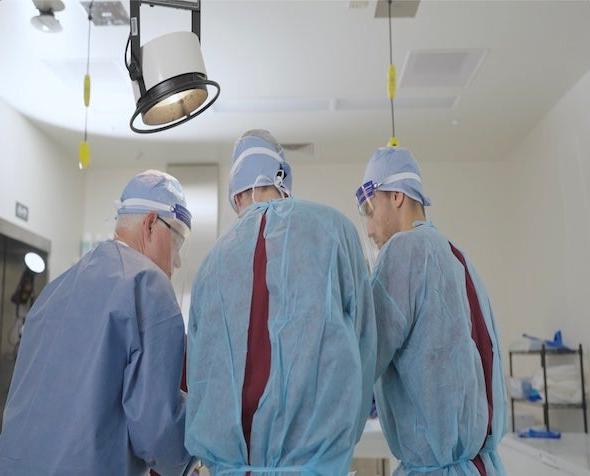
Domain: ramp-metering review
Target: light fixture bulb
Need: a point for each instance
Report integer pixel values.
(35, 262)
(47, 23)
(175, 107)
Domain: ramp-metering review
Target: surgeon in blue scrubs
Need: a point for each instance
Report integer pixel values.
(440, 388)
(281, 340)
(95, 389)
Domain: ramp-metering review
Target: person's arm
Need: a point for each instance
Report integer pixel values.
(398, 290)
(363, 313)
(153, 403)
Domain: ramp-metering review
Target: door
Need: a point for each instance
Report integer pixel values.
(20, 284)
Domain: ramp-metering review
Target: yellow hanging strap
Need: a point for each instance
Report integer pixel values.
(391, 82)
(84, 149)
(391, 90)
(84, 155)
(87, 90)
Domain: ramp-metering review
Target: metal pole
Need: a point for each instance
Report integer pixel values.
(511, 398)
(546, 405)
(135, 34)
(584, 408)
(180, 4)
(196, 23)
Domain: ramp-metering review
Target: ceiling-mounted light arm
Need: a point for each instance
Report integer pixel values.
(134, 66)
(135, 26)
(179, 4)
(196, 22)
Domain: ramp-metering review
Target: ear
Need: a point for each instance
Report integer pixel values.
(397, 198)
(148, 224)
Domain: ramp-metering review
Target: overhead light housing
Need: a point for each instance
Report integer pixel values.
(46, 21)
(168, 74)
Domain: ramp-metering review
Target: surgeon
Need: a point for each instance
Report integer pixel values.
(440, 391)
(95, 390)
(281, 340)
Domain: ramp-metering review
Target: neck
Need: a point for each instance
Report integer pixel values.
(411, 215)
(130, 239)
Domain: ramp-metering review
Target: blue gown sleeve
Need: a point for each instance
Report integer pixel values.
(363, 313)
(399, 289)
(153, 403)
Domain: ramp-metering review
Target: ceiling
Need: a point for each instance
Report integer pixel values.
(310, 71)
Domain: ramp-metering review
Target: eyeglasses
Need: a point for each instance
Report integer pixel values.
(178, 238)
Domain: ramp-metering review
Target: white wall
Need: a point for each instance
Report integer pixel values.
(36, 171)
(551, 245)
(549, 282)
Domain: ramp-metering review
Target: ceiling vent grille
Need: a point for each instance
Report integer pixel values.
(441, 68)
(399, 9)
(107, 13)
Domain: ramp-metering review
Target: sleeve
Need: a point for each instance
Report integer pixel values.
(363, 313)
(399, 286)
(153, 403)
(201, 295)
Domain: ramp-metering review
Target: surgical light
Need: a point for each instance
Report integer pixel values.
(168, 74)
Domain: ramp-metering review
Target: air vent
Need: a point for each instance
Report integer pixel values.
(107, 13)
(399, 8)
(358, 4)
(441, 68)
(302, 148)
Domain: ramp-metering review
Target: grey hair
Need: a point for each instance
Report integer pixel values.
(128, 221)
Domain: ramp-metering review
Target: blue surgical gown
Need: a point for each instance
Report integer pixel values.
(323, 345)
(95, 389)
(430, 392)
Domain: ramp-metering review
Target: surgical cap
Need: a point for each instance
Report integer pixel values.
(258, 161)
(394, 169)
(155, 191)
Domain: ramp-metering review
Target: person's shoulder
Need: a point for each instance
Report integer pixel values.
(131, 262)
(155, 299)
(322, 213)
(129, 266)
(417, 241)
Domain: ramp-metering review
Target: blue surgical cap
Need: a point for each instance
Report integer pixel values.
(155, 191)
(394, 169)
(258, 161)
